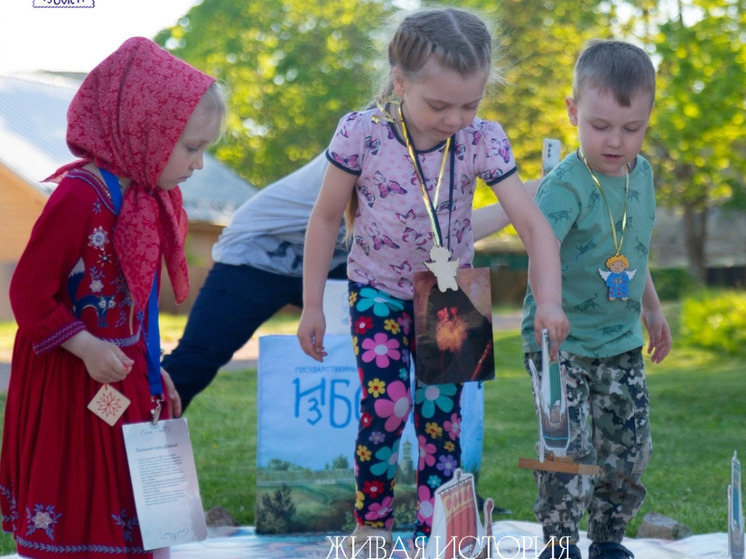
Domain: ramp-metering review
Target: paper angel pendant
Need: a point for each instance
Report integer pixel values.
(443, 268)
(618, 277)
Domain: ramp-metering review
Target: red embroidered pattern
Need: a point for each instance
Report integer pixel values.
(59, 337)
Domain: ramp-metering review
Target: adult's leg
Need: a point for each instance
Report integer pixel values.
(230, 306)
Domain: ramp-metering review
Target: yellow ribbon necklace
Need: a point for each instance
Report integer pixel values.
(618, 276)
(617, 243)
(429, 204)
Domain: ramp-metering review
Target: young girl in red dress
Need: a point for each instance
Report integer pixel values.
(140, 124)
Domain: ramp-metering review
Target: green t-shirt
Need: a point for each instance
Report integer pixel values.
(576, 210)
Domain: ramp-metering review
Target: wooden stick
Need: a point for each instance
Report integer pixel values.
(559, 464)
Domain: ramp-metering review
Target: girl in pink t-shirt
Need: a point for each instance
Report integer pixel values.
(404, 175)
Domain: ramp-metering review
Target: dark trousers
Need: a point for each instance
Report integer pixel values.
(233, 302)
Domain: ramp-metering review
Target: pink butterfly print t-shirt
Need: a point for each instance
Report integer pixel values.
(393, 234)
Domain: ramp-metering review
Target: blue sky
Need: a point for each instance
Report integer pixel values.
(76, 39)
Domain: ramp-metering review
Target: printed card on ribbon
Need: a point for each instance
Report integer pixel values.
(109, 404)
(453, 328)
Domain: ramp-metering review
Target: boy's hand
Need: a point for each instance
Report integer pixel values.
(311, 330)
(659, 334)
(552, 317)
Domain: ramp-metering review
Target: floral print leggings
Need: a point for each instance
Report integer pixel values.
(383, 341)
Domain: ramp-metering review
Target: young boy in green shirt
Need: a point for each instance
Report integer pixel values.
(601, 204)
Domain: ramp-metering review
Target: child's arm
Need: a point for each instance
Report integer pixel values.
(655, 323)
(104, 361)
(544, 261)
(490, 219)
(321, 238)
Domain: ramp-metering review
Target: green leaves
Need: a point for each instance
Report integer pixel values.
(292, 69)
(699, 117)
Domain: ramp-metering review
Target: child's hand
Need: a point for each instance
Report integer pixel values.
(659, 334)
(552, 317)
(311, 330)
(106, 362)
(172, 394)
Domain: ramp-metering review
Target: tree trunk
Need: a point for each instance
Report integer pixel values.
(695, 235)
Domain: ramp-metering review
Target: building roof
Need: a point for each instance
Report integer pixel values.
(33, 125)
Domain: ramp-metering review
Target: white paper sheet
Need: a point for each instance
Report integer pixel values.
(164, 479)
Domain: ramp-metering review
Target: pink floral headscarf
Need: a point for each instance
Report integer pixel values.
(126, 117)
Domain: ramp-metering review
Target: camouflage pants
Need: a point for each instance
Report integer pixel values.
(608, 413)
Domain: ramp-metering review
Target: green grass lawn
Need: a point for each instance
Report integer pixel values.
(697, 415)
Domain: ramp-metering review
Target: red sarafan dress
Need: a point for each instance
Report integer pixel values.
(65, 487)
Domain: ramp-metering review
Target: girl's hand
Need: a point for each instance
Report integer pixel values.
(552, 317)
(172, 394)
(311, 330)
(105, 361)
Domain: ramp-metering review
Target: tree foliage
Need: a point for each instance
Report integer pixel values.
(697, 137)
(537, 43)
(276, 513)
(292, 68)
(540, 40)
(701, 111)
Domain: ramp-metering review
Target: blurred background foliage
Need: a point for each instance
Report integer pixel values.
(715, 320)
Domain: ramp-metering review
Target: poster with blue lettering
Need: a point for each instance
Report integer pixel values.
(307, 420)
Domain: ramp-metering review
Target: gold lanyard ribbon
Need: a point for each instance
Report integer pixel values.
(429, 205)
(617, 244)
